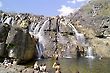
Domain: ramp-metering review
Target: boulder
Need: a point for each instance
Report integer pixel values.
(20, 45)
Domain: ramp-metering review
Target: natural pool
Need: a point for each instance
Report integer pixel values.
(82, 65)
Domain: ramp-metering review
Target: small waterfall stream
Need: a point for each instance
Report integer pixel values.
(79, 36)
(90, 53)
(81, 39)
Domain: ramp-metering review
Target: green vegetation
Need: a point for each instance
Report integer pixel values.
(9, 46)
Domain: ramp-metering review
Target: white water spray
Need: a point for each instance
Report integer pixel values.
(90, 53)
(38, 34)
(41, 41)
(80, 38)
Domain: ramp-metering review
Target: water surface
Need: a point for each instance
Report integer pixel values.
(82, 65)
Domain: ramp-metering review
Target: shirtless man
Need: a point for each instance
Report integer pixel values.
(56, 65)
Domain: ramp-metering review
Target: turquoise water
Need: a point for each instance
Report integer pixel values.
(82, 65)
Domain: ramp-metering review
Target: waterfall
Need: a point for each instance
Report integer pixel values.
(80, 38)
(40, 49)
(41, 32)
(90, 53)
(38, 33)
(34, 29)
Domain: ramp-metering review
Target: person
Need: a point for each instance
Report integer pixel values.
(57, 71)
(7, 62)
(78, 52)
(41, 68)
(14, 62)
(44, 67)
(56, 65)
(82, 52)
(77, 71)
(56, 55)
(36, 67)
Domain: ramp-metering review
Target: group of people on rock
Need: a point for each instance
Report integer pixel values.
(9, 62)
(40, 68)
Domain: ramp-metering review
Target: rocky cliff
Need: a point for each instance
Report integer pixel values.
(95, 19)
(26, 36)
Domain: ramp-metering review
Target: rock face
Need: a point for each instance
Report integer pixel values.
(32, 35)
(15, 40)
(20, 44)
(95, 19)
(54, 34)
(4, 29)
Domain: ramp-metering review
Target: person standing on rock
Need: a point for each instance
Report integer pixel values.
(56, 55)
(56, 65)
(5, 62)
(44, 68)
(78, 52)
(57, 68)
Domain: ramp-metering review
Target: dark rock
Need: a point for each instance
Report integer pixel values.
(4, 29)
(20, 44)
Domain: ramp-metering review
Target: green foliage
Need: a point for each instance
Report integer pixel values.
(9, 46)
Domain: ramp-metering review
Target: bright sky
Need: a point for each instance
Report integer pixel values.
(42, 7)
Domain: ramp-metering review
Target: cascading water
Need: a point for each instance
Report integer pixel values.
(37, 28)
(80, 38)
(41, 41)
(40, 49)
(90, 53)
(38, 34)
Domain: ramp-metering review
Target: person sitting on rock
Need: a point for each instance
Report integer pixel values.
(5, 62)
(14, 62)
(44, 68)
(36, 66)
(77, 71)
(41, 68)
